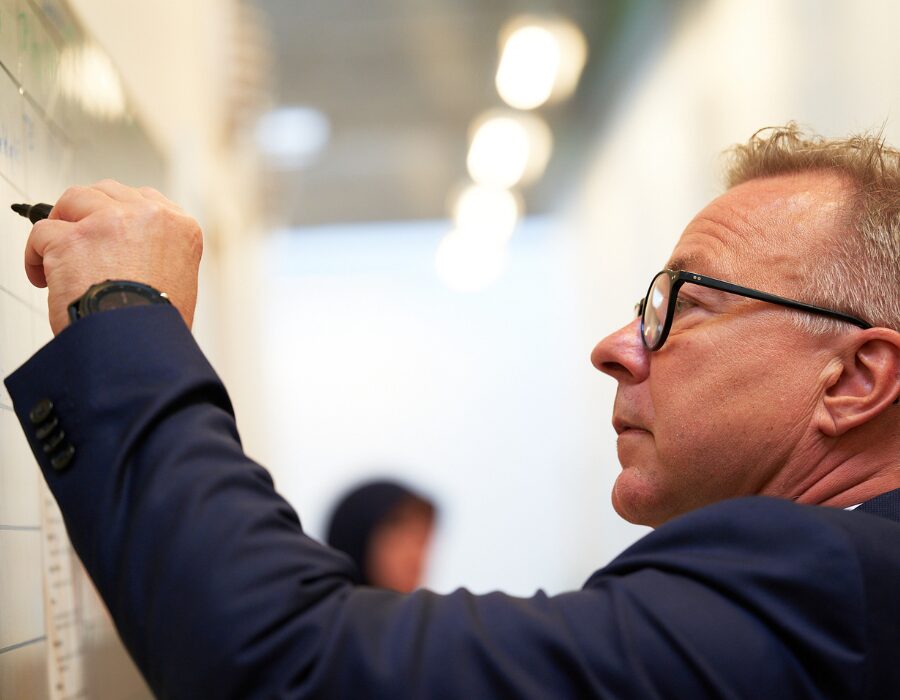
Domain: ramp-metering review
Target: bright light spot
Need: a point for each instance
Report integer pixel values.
(573, 52)
(487, 211)
(467, 262)
(528, 67)
(499, 153)
(509, 149)
(542, 60)
(87, 76)
(292, 137)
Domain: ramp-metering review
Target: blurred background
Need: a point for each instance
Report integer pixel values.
(421, 215)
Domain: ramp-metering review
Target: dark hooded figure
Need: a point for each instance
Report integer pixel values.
(386, 529)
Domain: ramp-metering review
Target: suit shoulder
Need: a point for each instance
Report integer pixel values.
(743, 543)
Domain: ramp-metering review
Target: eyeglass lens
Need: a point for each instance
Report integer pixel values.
(655, 309)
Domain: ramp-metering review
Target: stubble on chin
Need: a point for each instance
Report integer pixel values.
(635, 499)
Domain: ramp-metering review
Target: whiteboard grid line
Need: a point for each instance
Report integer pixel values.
(22, 301)
(28, 97)
(27, 642)
(20, 528)
(2, 174)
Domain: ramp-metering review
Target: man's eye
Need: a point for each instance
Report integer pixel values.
(683, 304)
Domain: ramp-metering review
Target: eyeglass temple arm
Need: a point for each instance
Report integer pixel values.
(772, 298)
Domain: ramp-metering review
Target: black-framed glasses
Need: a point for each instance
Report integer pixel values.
(657, 309)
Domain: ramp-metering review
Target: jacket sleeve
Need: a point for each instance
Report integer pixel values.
(218, 593)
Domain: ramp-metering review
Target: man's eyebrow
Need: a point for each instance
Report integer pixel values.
(691, 262)
(699, 263)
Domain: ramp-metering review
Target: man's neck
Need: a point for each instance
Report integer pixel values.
(839, 472)
(845, 480)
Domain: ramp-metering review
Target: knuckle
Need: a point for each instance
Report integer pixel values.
(152, 208)
(79, 231)
(109, 219)
(71, 192)
(157, 213)
(37, 228)
(106, 182)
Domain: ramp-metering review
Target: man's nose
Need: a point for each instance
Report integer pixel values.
(622, 355)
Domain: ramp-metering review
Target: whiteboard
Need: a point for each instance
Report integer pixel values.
(56, 640)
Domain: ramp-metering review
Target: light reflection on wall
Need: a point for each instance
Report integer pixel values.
(87, 76)
(292, 137)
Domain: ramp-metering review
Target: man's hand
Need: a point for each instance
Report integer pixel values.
(110, 231)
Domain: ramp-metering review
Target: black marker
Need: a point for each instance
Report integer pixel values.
(33, 212)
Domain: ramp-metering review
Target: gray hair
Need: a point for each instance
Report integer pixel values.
(860, 275)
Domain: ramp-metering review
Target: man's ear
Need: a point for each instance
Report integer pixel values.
(864, 383)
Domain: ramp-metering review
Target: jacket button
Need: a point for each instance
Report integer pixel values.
(63, 459)
(47, 428)
(41, 411)
(53, 442)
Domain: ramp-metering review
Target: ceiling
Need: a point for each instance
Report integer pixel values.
(400, 82)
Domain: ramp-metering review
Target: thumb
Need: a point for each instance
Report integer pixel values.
(42, 237)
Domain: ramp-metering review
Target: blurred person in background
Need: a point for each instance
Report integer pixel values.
(386, 529)
(758, 432)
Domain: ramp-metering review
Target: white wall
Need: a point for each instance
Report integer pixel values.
(371, 365)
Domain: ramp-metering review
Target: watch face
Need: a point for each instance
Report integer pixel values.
(116, 294)
(119, 298)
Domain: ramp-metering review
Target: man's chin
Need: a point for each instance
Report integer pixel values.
(637, 502)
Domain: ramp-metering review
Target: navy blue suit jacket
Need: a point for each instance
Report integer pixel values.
(218, 593)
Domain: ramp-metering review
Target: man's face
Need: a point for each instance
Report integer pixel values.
(724, 408)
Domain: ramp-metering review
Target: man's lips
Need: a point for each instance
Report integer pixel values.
(620, 425)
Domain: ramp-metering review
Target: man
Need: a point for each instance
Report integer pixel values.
(724, 391)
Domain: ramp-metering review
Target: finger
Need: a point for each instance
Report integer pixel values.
(35, 275)
(118, 191)
(76, 203)
(43, 234)
(157, 196)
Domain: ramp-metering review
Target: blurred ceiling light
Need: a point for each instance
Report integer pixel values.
(541, 61)
(487, 211)
(467, 262)
(292, 137)
(528, 67)
(508, 149)
(87, 76)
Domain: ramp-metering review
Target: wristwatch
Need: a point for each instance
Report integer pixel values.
(114, 294)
